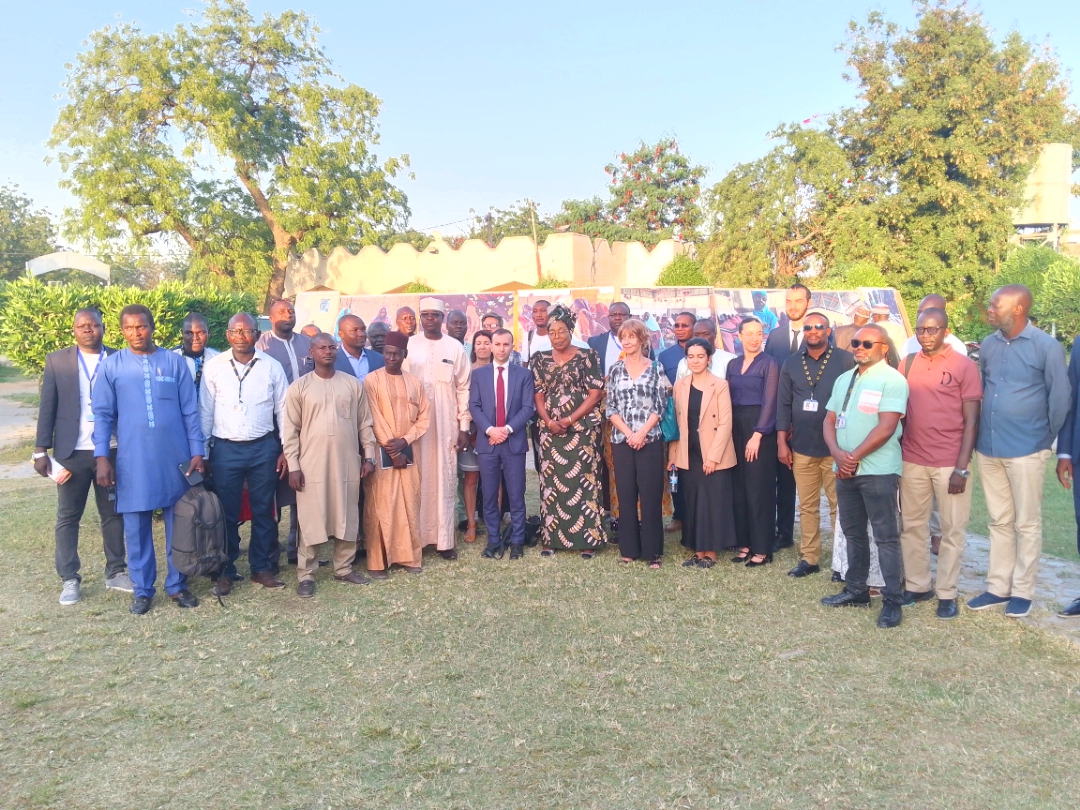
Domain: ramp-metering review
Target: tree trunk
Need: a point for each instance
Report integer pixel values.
(276, 288)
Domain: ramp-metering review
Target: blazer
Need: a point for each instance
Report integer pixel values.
(58, 414)
(599, 345)
(374, 360)
(1068, 442)
(714, 426)
(778, 344)
(520, 405)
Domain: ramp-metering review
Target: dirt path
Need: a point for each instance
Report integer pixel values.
(18, 421)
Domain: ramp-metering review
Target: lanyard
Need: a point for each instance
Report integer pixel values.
(813, 383)
(249, 367)
(850, 388)
(89, 377)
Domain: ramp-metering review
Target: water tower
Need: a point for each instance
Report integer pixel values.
(1045, 214)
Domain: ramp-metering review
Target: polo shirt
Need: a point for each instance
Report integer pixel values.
(938, 387)
(880, 388)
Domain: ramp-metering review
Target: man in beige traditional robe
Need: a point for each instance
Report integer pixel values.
(399, 412)
(440, 363)
(327, 427)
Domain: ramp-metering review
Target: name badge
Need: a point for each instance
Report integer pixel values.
(841, 421)
(239, 408)
(810, 405)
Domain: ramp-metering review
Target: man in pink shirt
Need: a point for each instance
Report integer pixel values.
(945, 392)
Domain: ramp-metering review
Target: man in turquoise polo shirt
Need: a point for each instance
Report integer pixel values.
(862, 430)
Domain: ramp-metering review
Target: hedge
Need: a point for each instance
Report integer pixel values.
(37, 317)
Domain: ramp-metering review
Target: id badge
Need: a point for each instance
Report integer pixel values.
(810, 405)
(239, 408)
(841, 421)
(89, 416)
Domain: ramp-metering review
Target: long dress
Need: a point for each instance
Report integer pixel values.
(444, 371)
(399, 410)
(708, 519)
(327, 427)
(570, 512)
(874, 579)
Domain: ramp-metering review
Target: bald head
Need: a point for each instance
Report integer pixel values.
(353, 334)
(457, 325)
(932, 300)
(322, 339)
(241, 320)
(1009, 308)
(705, 328)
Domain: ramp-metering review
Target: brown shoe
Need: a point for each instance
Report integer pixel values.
(353, 578)
(223, 586)
(306, 588)
(412, 569)
(378, 574)
(267, 580)
(449, 554)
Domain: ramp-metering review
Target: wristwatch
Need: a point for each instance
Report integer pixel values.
(36, 456)
(962, 473)
(370, 461)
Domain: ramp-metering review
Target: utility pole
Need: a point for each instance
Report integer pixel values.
(536, 244)
(490, 222)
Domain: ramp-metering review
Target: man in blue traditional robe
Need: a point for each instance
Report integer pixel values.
(145, 394)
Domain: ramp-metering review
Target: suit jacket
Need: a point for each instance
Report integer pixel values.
(669, 359)
(713, 427)
(599, 345)
(58, 414)
(342, 363)
(520, 405)
(778, 345)
(1069, 437)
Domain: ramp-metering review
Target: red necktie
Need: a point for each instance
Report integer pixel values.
(500, 400)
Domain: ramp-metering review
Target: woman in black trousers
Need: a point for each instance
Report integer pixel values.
(754, 380)
(637, 393)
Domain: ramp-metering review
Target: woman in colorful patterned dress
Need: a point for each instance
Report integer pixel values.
(569, 385)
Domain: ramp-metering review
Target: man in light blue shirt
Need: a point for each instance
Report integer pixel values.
(862, 430)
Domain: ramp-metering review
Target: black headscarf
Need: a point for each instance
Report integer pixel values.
(564, 314)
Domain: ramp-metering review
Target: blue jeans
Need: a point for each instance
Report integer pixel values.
(872, 499)
(142, 561)
(254, 462)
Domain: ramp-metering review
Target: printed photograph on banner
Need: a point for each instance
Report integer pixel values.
(590, 306)
(657, 308)
(319, 307)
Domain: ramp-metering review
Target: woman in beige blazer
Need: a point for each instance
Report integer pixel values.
(704, 456)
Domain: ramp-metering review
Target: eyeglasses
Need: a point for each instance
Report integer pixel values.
(243, 332)
(928, 330)
(820, 327)
(866, 344)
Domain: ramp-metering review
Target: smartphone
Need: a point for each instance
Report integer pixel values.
(194, 478)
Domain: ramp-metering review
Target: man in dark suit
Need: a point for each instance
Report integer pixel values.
(354, 359)
(607, 345)
(785, 340)
(1068, 449)
(501, 401)
(66, 424)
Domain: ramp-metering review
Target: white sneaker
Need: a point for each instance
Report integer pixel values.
(70, 594)
(120, 582)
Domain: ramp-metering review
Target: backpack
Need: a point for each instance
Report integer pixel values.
(198, 536)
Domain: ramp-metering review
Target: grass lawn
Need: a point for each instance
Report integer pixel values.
(1059, 521)
(25, 398)
(17, 453)
(542, 684)
(10, 374)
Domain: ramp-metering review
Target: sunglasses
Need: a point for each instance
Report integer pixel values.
(928, 330)
(820, 327)
(866, 344)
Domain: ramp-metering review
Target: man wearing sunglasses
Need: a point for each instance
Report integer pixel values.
(806, 385)
(862, 430)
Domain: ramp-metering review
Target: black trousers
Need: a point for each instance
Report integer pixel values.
(754, 484)
(639, 478)
(785, 505)
(871, 499)
(70, 505)
(255, 463)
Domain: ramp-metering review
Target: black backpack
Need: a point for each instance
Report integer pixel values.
(198, 537)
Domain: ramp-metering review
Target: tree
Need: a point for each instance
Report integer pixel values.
(230, 133)
(517, 220)
(25, 233)
(654, 195)
(1059, 302)
(682, 271)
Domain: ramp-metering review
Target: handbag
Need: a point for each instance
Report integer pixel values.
(669, 425)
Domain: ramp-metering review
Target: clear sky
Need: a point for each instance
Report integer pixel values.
(495, 102)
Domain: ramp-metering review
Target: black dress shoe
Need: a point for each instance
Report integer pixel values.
(765, 560)
(947, 609)
(140, 605)
(836, 577)
(781, 543)
(492, 553)
(911, 597)
(846, 599)
(891, 615)
(184, 599)
(803, 569)
(449, 554)
(517, 551)
(1072, 611)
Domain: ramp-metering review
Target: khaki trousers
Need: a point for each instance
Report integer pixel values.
(920, 488)
(307, 559)
(811, 475)
(1013, 488)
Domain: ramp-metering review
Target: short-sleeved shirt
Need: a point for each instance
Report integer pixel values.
(938, 387)
(879, 389)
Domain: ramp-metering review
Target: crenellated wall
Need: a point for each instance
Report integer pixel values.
(571, 257)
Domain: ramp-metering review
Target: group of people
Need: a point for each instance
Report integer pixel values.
(387, 442)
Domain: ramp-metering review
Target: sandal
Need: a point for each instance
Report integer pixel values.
(706, 562)
(547, 552)
(655, 563)
(588, 555)
(470, 535)
(625, 560)
(742, 556)
(692, 562)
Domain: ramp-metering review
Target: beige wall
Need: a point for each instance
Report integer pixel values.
(571, 257)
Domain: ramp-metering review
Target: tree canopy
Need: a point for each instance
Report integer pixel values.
(25, 232)
(231, 135)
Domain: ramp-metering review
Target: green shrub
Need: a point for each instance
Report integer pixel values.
(551, 283)
(683, 271)
(417, 286)
(37, 317)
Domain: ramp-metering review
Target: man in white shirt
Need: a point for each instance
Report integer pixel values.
(241, 407)
(706, 328)
(195, 334)
(911, 345)
(66, 424)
